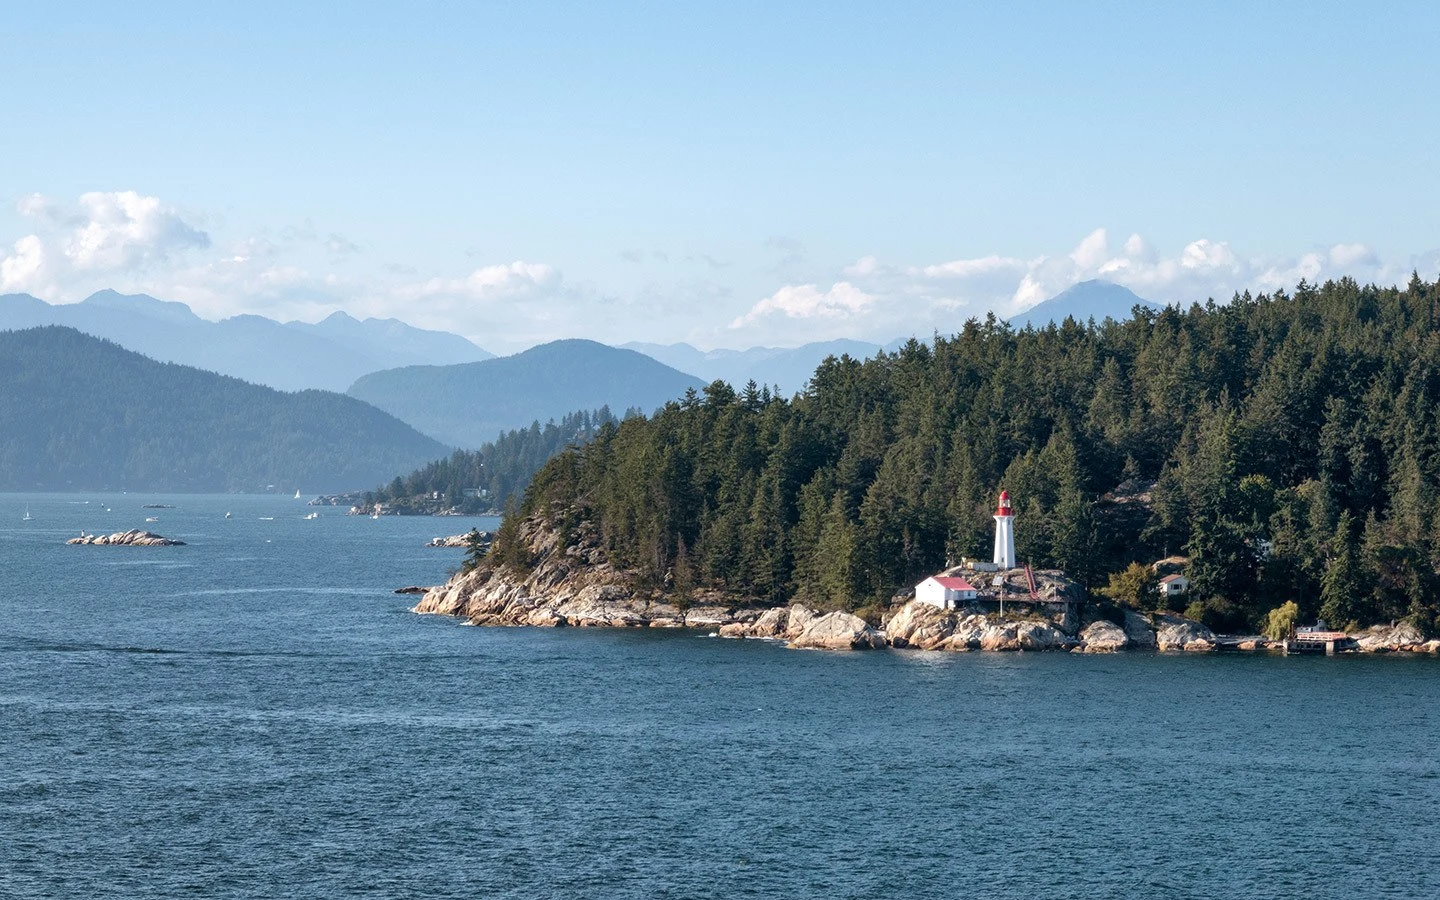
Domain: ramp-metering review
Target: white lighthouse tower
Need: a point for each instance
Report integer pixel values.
(1004, 533)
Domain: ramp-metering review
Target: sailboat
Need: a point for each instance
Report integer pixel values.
(28, 517)
(297, 493)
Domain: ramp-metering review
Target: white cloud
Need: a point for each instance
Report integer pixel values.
(970, 268)
(918, 299)
(25, 269)
(1092, 251)
(806, 301)
(105, 234)
(122, 230)
(514, 280)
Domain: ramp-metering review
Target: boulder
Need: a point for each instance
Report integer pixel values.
(544, 617)
(1385, 638)
(967, 634)
(1021, 636)
(1103, 637)
(1180, 633)
(734, 630)
(920, 625)
(798, 618)
(838, 631)
(771, 623)
(1138, 632)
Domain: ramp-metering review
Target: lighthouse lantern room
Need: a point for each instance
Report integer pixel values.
(1004, 533)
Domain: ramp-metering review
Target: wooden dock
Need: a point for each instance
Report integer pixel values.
(1327, 642)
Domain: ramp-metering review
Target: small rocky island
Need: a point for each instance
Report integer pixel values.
(135, 538)
(460, 540)
(577, 586)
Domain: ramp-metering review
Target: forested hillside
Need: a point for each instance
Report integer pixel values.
(468, 405)
(502, 468)
(79, 413)
(1286, 444)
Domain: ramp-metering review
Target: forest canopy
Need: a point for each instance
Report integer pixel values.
(1286, 444)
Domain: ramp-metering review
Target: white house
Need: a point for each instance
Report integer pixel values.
(1173, 585)
(944, 591)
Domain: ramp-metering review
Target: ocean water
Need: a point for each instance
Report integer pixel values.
(257, 715)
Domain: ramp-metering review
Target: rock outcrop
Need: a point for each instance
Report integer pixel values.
(838, 631)
(1180, 633)
(1023, 635)
(127, 539)
(1103, 636)
(460, 540)
(1391, 638)
(921, 626)
(1138, 633)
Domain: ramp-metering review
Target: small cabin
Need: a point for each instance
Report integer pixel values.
(1173, 585)
(944, 591)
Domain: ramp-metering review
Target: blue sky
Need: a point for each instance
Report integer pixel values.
(728, 175)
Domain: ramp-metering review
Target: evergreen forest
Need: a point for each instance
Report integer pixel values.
(480, 481)
(1286, 445)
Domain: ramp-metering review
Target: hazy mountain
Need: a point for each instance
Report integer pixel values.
(393, 343)
(80, 413)
(788, 367)
(471, 404)
(1087, 300)
(290, 356)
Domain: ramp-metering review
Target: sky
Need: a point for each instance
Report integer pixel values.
(727, 175)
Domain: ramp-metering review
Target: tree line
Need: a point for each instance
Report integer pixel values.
(484, 480)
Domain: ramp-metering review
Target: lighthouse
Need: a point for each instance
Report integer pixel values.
(1004, 533)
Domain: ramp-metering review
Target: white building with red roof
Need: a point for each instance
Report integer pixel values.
(944, 591)
(1173, 585)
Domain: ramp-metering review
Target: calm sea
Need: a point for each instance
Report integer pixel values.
(255, 714)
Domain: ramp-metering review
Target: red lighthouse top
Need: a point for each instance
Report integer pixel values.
(1004, 509)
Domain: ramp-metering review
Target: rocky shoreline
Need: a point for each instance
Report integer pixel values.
(577, 587)
(135, 538)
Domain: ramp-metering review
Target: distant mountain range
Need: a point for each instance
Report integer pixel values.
(290, 356)
(1085, 301)
(80, 413)
(789, 368)
(470, 404)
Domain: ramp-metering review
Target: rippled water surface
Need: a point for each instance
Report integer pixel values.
(256, 714)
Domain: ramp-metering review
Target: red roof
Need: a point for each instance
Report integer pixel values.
(951, 583)
(1169, 578)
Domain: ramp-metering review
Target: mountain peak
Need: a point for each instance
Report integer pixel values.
(142, 304)
(1094, 299)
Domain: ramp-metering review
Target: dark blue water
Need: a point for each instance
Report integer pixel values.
(255, 714)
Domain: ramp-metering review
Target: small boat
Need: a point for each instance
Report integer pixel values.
(267, 518)
(151, 519)
(297, 493)
(28, 517)
(227, 515)
(313, 515)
